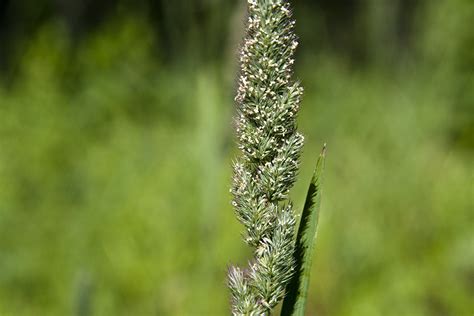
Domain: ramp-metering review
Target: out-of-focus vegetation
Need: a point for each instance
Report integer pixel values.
(116, 140)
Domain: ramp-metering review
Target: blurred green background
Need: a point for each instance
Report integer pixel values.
(116, 142)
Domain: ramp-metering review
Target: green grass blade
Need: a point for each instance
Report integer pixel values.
(295, 300)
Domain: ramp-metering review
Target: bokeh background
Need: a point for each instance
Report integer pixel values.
(116, 142)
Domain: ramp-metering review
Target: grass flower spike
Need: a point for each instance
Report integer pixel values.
(268, 101)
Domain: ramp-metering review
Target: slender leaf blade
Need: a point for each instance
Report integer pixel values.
(297, 290)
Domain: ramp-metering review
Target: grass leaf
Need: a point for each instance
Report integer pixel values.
(295, 300)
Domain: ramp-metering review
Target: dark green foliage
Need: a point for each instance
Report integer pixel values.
(294, 303)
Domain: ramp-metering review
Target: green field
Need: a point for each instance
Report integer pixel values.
(115, 169)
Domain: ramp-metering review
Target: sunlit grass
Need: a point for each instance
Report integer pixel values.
(114, 185)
